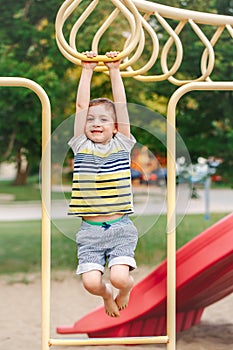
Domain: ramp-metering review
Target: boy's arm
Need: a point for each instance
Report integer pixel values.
(83, 98)
(119, 96)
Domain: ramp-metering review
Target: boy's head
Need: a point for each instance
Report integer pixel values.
(108, 104)
(101, 120)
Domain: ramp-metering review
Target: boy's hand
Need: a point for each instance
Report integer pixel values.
(89, 65)
(114, 64)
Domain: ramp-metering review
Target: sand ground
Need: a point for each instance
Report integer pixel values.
(20, 328)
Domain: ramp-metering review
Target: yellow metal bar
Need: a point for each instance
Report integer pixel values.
(182, 14)
(171, 197)
(72, 54)
(46, 200)
(171, 225)
(209, 52)
(196, 86)
(109, 341)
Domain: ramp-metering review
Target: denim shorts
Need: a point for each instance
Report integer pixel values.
(114, 244)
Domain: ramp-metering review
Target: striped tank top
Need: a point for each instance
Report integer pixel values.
(101, 177)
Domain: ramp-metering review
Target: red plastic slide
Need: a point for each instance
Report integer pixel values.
(204, 275)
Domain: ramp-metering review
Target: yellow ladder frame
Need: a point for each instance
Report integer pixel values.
(186, 86)
(170, 338)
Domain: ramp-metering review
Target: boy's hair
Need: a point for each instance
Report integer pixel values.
(102, 100)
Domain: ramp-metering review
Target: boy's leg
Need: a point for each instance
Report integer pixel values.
(123, 281)
(93, 282)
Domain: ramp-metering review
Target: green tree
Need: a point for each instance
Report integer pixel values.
(225, 7)
(204, 119)
(27, 49)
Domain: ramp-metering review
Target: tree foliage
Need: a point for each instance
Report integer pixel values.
(28, 48)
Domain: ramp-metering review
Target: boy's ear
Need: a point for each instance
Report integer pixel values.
(115, 129)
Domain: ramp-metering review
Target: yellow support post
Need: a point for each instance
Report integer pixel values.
(171, 197)
(46, 194)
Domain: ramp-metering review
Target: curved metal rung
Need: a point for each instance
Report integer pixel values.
(71, 53)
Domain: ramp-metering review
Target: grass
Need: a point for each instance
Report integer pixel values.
(20, 243)
(28, 192)
(31, 191)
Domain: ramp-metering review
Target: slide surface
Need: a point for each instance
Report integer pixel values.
(204, 276)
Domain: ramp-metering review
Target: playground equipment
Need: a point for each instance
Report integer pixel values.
(199, 173)
(138, 14)
(204, 276)
(45, 186)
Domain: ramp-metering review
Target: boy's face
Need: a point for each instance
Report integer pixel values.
(100, 125)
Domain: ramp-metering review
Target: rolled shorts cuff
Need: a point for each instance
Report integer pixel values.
(123, 260)
(89, 267)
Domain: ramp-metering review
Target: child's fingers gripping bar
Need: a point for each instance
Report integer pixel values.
(109, 57)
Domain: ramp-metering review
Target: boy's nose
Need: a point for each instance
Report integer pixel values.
(97, 123)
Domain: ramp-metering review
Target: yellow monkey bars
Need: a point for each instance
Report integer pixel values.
(139, 13)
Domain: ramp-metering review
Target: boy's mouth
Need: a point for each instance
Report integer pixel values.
(96, 131)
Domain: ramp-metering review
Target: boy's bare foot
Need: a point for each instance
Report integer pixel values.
(111, 308)
(122, 300)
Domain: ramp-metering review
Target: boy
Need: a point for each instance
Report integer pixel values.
(101, 192)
